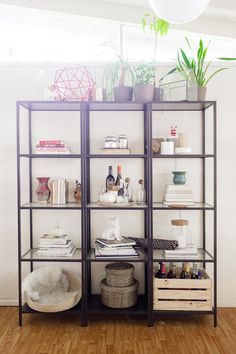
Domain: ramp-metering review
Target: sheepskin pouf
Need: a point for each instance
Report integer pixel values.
(51, 289)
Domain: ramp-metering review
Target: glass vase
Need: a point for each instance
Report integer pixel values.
(42, 191)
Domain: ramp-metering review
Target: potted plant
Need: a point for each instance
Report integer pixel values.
(144, 82)
(157, 26)
(198, 66)
(116, 76)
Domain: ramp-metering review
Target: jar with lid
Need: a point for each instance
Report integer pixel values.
(110, 142)
(181, 232)
(123, 141)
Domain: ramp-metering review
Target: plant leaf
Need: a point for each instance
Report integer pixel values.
(212, 75)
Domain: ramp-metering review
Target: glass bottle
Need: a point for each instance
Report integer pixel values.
(110, 180)
(183, 273)
(141, 194)
(121, 190)
(119, 177)
(159, 271)
(128, 191)
(187, 271)
(195, 271)
(200, 274)
(172, 272)
(162, 273)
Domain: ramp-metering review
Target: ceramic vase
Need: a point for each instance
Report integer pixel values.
(179, 177)
(42, 191)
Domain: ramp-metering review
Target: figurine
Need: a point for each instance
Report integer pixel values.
(113, 233)
(77, 191)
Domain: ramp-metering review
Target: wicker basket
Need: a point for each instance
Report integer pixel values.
(119, 274)
(119, 297)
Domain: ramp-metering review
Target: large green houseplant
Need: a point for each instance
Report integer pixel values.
(196, 62)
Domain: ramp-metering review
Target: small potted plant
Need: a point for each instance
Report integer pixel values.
(144, 82)
(196, 63)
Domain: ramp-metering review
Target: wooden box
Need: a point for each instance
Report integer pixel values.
(183, 294)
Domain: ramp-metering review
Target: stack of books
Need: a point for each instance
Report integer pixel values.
(176, 194)
(182, 253)
(115, 249)
(55, 246)
(52, 147)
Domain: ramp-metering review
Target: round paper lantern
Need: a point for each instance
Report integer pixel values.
(179, 11)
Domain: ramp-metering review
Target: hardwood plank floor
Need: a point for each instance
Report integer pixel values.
(48, 334)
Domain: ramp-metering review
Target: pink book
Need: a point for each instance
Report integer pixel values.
(51, 142)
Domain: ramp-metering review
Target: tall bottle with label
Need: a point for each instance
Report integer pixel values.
(119, 177)
(110, 180)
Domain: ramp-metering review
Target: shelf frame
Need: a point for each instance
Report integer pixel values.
(83, 109)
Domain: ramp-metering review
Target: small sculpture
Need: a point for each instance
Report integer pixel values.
(113, 233)
(77, 191)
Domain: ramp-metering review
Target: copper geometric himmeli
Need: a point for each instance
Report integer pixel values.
(73, 84)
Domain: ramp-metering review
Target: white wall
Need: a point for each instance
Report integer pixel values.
(28, 82)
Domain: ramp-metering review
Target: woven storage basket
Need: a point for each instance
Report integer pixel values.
(119, 274)
(119, 297)
(57, 302)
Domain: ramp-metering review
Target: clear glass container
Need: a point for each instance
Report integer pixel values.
(141, 193)
(179, 86)
(111, 142)
(181, 232)
(123, 141)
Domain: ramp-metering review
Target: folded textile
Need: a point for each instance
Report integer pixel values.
(157, 243)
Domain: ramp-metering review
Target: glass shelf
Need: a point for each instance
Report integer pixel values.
(182, 105)
(107, 156)
(183, 156)
(203, 256)
(52, 156)
(115, 207)
(196, 206)
(36, 205)
(141, 252)
(31, 255)
(51, 105)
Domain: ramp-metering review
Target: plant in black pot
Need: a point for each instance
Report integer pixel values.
(144, 75)
(118, 76)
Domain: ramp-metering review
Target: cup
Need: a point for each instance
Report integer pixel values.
(167, 148)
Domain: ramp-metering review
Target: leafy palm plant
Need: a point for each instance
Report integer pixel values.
(196, 63)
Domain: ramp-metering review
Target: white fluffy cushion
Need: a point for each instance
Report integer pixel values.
(52, 289)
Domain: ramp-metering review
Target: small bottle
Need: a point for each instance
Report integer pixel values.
(119, 177)
(195, 271)
(141, 195)
(187, 271)
(162, 273)
(183, 273)
(158, 273)
(121, 190)
(172, 272)
(200, 274)
(110, 180)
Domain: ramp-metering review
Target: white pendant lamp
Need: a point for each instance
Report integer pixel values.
(179, 11)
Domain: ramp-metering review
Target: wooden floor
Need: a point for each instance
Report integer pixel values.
(47, 334)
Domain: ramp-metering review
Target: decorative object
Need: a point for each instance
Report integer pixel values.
(50, 93)
(160, 244)
(113, 232)
(179, 11)
(51, 289)
(119, 274)
(179, 177)
(156, 145)
(128, 191)
(196, 64)
(180, 232)
(178, 86)
(110, 142)
(59, 191)
(74, 83)
(123, 141)
(42, 191)
(141, 194)
(108, 196)
(182, 147)
(167, 147)
(119, 297)
(173, 136)
(144, 80)
(77, 192)
(119, 289)
(118, 75)
(156, 26)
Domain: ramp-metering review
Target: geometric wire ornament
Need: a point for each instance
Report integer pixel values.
(73, 83)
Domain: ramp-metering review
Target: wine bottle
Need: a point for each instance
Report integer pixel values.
(195, 271)
(121, 190)
(157, 275)
(200, 274)
(172, 272)
(183, 273)
(119, 177)
(110, 180)
(162, 273)
(187, 271)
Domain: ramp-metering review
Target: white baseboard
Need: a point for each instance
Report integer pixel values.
(8, 302)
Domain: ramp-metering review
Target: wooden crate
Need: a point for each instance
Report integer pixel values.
(183, 294)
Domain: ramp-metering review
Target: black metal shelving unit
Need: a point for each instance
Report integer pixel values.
(90, 303)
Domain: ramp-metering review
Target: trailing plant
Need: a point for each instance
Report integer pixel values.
(144, 73)
(197, 63)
